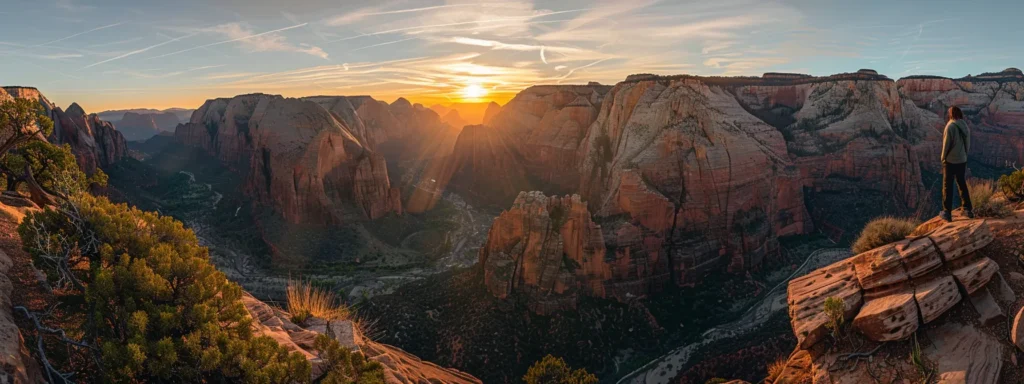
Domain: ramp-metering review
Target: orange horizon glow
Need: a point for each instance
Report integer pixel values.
(98, 102)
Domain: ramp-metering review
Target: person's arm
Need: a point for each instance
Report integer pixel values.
(946, 142)
(967, 137)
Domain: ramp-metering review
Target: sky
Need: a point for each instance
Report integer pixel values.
(115, 54)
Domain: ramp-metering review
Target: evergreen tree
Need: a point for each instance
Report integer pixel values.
(554, 370)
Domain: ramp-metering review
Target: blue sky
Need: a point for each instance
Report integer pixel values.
(108, 54)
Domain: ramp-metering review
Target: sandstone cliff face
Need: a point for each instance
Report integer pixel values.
(95, 143)
(993, 104)
(705, 173)
(299, 158)
(549, 250)
(706, 183)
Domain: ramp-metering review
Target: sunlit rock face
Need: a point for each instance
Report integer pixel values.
(993, 104)
(696, 174)
(705, 183)
(298, 157)
(528, 144)
(94, 142)
(549, 250)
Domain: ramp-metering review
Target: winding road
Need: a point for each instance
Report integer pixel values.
(665, 368)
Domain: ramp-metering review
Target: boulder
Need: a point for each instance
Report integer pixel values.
(807, 294)
(976, 274)
(935, 297)
(888, 318)
(961, 238)
(880, 267)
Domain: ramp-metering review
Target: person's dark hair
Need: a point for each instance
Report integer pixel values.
(955, 113)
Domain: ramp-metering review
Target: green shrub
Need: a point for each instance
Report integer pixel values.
(835, 310)
(344, 366)
(141, 295)
(1012, 185)
(554, 370)
(882, 231)
(987, 203)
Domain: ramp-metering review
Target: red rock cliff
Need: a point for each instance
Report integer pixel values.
(95, 143)
(300, 159)
(993, 104)
(549, 250)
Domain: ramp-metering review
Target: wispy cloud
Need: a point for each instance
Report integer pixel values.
(255, 42)
(70, 6)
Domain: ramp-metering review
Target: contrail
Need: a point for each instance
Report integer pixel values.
(542, 58)
(79, 34)
(228, 41)
(380, 44)
(137, 51)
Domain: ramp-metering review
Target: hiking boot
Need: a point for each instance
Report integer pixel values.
(969, 213)
(945, 215)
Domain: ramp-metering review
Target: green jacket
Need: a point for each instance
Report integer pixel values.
(956, 142)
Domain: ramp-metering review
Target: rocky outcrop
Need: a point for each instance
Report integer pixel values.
(95, 143)
(904, 285)
(400, 367)
(993, 104)
(298, 156)
(549, 251)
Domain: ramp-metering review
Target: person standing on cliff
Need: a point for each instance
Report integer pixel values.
(956, 142)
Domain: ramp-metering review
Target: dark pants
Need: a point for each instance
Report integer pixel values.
(957, 173)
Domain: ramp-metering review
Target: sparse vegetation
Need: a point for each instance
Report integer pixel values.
(554, 370)
(882, 231)
(775, 369)
(140, 302)
(835, 309)
(987, 202)
(1012, 185)
(344, 366)
(305, 301)
(924, 368)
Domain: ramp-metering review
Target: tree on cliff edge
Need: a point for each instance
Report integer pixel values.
(27, 158)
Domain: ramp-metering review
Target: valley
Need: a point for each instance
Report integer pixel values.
(645, 231)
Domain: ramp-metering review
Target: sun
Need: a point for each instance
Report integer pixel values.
(473, 91)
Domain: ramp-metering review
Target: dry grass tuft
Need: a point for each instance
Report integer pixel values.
(987, 202)
(305, 301)
(775, 369)
(882, 231)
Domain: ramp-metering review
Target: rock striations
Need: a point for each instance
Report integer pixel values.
(95, 143)
(890, 291)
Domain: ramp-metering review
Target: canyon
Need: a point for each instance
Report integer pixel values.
(619, 192)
